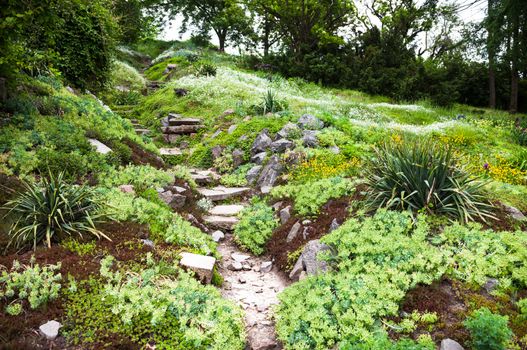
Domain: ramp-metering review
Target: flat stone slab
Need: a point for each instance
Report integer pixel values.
(99, 146)
(170, 152)
(224, 222)
(226, 210)
(202, 265)
(50, 329)
(221, 193)
(204, 177)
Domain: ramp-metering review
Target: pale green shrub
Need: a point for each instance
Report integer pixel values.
(256, 226)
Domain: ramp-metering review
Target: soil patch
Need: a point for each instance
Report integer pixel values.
(143, 157)
(278, 247)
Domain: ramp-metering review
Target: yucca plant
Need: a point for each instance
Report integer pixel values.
(271, 104)
(423, 176)
(51, 210)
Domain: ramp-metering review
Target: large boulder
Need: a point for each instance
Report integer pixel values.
(262, 142)
(289, 130)
(310, 122)
(308, 260)
(280, 146)
(270, 172)
(310, 138)
(237, 157)
(253, 173)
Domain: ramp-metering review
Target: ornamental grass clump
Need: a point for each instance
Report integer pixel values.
(424, 176)
(52, 210)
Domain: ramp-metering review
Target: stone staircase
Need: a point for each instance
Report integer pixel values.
(223, 216)
(175, 125)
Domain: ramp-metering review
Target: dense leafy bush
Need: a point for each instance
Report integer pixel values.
(206, 69)
(33, 283)
(53, 210)
(162, 304)
(310, 196)
(423, 176)
(382, 342)
(256, 226)
(376, 261)
(488, 331)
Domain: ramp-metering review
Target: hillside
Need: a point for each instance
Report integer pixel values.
(200, 202)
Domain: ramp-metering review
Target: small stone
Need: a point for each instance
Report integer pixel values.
(218, 236)
(449, 344)
(266, 266)
(50, 329)
(310, 122)
(305, 233)
(237, 157)
(148, 243)
(231, 129)
(306, 222)
(266, 189)
(491, 285)
(99, 146)
(261, 307)
(235, 266)
(285, 214)
(216, 134)
(256, 268)
(127, 189)
(334, 225)
(277, 205)
(216, 152)
(228, 112)
(239, 257)
(247, 267)
(241, 280)
(258, 291)
(266, 323)
(293, 232)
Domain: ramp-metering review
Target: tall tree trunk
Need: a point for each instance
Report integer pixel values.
(267, 31)
(491, 51)
(222, 35)
(515, 53)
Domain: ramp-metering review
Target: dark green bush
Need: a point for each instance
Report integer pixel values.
(206, 69)
(52, 210)
(424, 176)
(488, 331)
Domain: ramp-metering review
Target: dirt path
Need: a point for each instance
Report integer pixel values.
(254, 289)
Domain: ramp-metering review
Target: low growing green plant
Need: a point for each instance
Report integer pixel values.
(79, 248)
(256, 226)
(310, 196)
(423, 176)
(52, 210)
(33, 283)
(488, 331)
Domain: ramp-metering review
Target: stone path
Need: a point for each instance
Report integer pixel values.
(253, 288)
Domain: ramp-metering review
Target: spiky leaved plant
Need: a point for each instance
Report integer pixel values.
(424, 176)
(53, 209)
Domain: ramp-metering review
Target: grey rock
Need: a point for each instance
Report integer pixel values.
(305, 233)
(218, 236)
(306, 222)
(266, 266)
(99, 146)
(148, 243)
(285, 214)
(310, 122)
(266, 189)
(280, 146)
(259, 158)
(334, 225)
(289, 130)
(196, 223)
(293, 232)
(253, 173)
(239, 257)
(270, 172)
(70, 89)
(232, 128)
(491, 285)
(221, 222)
(235, 266)
(202, 265)
(308, 260)
(227, 112)
(449, 344)
(50, 329)
(310, 138)
(262, 142)
(216, 134)
(277, 205)
(242, 280)
(216, 152)
(237, 157)
(174, 200)
(515, 213)
(221, 193)
(127, 189)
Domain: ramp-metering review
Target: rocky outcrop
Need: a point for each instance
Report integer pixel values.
(308, 260)
(270, 173)
(262, 142)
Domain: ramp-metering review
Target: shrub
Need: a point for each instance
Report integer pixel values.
(309, 197)
(79, 248)
(256, 226)
(423, 176)
(488, 331)
(32, 282)
(53, 209)
(141, 177)
(206, 69)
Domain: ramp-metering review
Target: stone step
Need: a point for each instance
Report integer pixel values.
(170, 152)
(176, 119)
(226, 210)
(181, 129)
(204, 177)
(202, 265)
(222, 193)
(142, 131)
(222, 222)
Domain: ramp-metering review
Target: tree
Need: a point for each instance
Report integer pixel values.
(227, 18)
